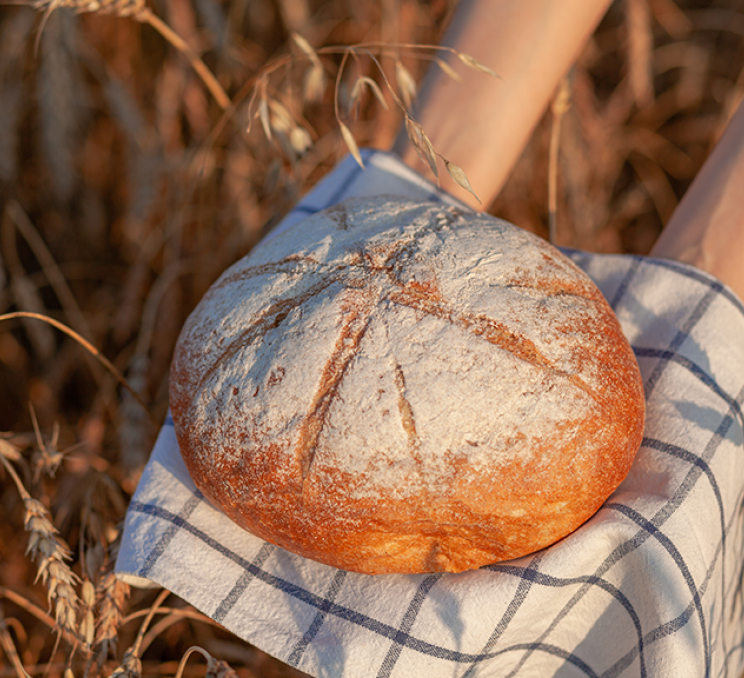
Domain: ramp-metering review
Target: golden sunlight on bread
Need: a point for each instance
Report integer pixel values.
(406, 387)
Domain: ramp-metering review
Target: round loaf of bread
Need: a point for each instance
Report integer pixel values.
(406, 387)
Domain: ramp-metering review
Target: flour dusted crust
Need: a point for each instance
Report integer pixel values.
(393, 386)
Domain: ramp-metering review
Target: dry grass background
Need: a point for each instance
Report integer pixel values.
(124, 193)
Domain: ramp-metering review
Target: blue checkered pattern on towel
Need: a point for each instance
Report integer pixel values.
(651, 586)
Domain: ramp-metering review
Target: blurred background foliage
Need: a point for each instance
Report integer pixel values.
(124, 192)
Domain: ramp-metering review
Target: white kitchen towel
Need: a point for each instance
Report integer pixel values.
(651, 586)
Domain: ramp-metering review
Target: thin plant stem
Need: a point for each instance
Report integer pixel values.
(211, 83)
(560, 105)
(173, 618)
(84, 343)
(33, 609)
(10, 650)
(151, 613)
(27, 605)
(181, 612)
(340, 72)
(12, 472)
(185, 658)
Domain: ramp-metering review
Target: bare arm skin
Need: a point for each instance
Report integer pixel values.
(707, 228)
(482, 124)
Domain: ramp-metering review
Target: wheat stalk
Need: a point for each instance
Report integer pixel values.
(137, 10)
(26, 605)
(558, 108)
(51, 270)
(174, 616)
(131, 665)
(10, 649)
(84, 343)
(216, 668)
(201, 69)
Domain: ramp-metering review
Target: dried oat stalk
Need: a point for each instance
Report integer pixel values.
(277, 123)
(107, 364)
(314, 83)
(123, 8)
(6, 641)
(137, 9)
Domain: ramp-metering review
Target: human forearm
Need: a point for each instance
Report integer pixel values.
(482, 124)
(707, 228)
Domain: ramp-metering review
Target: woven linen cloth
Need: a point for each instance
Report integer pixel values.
(650, 586)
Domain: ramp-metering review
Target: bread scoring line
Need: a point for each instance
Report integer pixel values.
(404, 294)
(269, 318)
(347, 344)
(374, 326)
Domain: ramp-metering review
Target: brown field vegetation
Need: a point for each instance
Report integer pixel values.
(125, 189)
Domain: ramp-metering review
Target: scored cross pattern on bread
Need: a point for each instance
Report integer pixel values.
(402, 387)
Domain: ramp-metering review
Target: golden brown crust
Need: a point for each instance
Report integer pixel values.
(388, 398)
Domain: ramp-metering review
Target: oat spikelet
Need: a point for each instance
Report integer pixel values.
(448, 70)
(413, 130)
(406, 83)
(306, 47)
(348, 137)
(279, 125)
(314, 83)
(470, 62)
(351, 143)
(421, 144)
(459, 176)
(431, 156)
(263, 116)
(358, 88)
